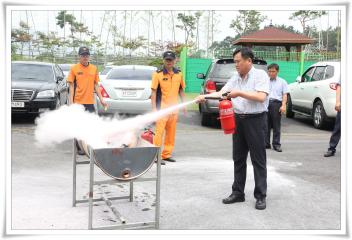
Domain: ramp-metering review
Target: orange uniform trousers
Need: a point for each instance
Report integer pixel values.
(166, 125)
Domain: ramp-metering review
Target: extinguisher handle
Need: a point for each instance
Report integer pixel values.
(213, 98)
(226, 94)
(219, 98)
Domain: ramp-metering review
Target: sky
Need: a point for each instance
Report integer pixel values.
(45, 20)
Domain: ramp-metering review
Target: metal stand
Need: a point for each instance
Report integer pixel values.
(91, 199)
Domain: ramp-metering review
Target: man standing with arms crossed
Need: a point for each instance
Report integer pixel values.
(248, 89)
(167, 86)
(277, 107)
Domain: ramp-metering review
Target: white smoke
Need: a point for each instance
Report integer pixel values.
(72, 121)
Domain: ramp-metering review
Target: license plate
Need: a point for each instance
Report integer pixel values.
(17, 104)
(129, 93)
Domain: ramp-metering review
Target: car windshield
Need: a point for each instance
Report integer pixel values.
(106, 70)
(36, 72)
(65, 67)
(223, 70)
(130, 74)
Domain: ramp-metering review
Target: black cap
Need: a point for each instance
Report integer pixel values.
(83, 50)
(169, 55)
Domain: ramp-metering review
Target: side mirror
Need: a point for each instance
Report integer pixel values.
(200, 76)
(299, 79)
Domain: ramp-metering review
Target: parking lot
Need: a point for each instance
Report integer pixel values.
(304, 189)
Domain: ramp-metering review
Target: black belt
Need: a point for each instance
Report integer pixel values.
(274, 100)
(253, 115)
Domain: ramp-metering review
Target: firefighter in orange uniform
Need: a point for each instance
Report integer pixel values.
(167, 86)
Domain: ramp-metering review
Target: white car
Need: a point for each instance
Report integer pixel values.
(126, 89)
(105, 71)
(314, 93)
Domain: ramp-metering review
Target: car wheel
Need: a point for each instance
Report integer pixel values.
(289, 112)
(206, 119)
(319, 115)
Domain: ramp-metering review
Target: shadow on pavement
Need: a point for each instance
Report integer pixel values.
(23, 118)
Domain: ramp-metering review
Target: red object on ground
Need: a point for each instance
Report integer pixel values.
(227, 117)
(148, 135)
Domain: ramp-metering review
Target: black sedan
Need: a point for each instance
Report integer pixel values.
(37, 87)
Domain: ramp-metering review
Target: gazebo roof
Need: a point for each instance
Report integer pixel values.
(273, 36)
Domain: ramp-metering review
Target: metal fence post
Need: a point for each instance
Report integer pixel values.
(302, 63)
(74, 163)
(91, 189)
(183, 64)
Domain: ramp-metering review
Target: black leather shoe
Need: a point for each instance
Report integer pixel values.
(277, 148)
(268, 146)
(260, 204)
(232, 199)
(329, 153)
(169, 159)
(161, 163)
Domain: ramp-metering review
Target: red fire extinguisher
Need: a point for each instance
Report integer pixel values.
(148, 135)
(226, 115)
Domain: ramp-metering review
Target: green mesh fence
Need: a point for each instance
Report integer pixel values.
(194, 66)
(290, 70)
(283, 55)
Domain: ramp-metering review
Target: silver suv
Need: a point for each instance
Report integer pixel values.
(219, 72)
(313, 94)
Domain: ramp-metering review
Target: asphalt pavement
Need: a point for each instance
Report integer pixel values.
(304, 188)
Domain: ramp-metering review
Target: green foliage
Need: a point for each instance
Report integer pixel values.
(227, 43)
(176, 47)
(306, 16)
(133, 44)
(156, 62)
(188, 24)
(248, 21)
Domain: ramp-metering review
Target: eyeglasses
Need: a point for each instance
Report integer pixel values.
(84, 55)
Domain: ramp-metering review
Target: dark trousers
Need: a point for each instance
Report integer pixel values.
(249, 136)
(274, 122)
(89, 107)
(336, 133)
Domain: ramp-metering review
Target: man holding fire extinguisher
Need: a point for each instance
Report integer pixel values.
(248, 90)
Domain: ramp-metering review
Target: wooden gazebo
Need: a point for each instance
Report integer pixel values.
(272, 36)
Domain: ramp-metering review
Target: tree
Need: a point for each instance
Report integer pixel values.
(306, 16)
(248, 21)
(198, 14)
(286, 28)
(75, 27)
(20, 36)
(175, 47)
(188, 25)
(227, 43)
(50, 42)
(133, 44)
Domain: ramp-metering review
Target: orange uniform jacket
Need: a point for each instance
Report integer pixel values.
(167, 86)
(86, 78)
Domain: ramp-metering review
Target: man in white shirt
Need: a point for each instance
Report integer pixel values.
(277, 106)
(248, 90)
